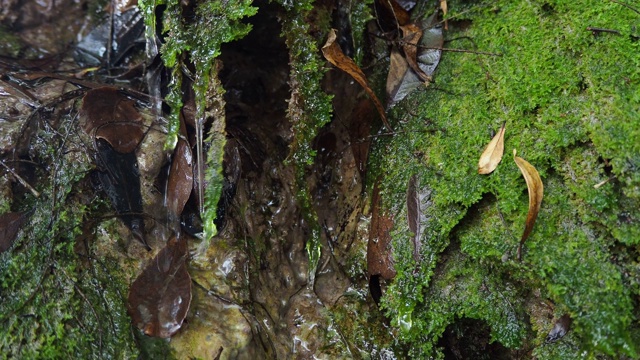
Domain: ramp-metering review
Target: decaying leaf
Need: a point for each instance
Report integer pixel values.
(379, 251)
(411, 35)
(109, 115)
(401, 79)
(332, 52)
(379, 257)
(180, 182)
(115, 125)
(120, 180)
(414, 214)
(536, 191)
(492, 154)
(9, 226)
(159, 298)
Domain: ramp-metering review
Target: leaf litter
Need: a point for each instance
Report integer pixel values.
(492, 154)
(536, 192)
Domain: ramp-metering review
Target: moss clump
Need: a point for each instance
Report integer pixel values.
(570, 102)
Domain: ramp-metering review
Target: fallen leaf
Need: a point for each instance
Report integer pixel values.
(411, 36)
(492, 154)
(10, 224)
(379, 252)
(536, 192)
(443, 6)
(332, 52)
(180, 182)
(159, 298)
(414, 214)
(401, 79)
(120, 180)
(109, 115)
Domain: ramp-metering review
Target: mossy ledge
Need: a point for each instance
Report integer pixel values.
(570, 101)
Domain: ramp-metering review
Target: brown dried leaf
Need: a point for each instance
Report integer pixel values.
(536, 192)
(159, 298)
(560, 329)
(443, 6)
(332, 52)
(401, 79)
(411, 36)
(492, 154)
(109, 115)
(10, 224)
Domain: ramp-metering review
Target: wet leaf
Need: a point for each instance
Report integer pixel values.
(536, 192)
(379, 251)
(180, 182)
(332, 52)
(411, 36)
(401, 79)
(109, 115)
(120, 180)
(492, 154)
(159, 298)
(10, 224)
(560, 329)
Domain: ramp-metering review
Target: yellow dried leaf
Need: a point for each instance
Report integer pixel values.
(536, 191)
(492, 154)
(332, 52)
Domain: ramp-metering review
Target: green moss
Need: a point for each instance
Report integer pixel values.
(571, 107)
(54, 303)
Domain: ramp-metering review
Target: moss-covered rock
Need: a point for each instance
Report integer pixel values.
(569, 98)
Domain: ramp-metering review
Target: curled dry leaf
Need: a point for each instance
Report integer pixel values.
(411, 36)
(159, 298)
(536, 192)
(492, 154)
(402, 79)
(332, 52)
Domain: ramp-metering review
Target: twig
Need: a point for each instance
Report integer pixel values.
(596, 30)
(21, 180)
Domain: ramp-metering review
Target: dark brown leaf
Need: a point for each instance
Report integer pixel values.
(180, 181)
(159, 298)
(536, 192)
(414, 214)
(379, 252)
(10, 224)
(334, 55)
(400, 15)
(109, 115)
